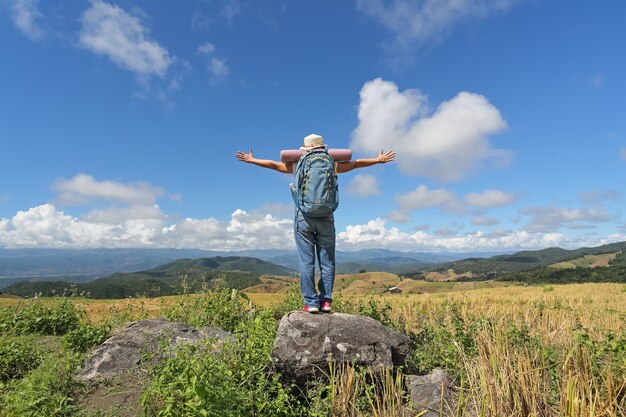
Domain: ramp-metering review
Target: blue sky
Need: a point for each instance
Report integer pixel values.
(119, 121)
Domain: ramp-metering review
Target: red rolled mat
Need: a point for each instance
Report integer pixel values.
(293, 155)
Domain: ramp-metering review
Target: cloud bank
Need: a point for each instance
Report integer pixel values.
(46, 226)
(447, 144)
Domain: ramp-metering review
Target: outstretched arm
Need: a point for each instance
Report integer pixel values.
(383, 158)
(286, 168)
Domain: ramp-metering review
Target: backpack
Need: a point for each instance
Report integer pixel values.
(317, 191)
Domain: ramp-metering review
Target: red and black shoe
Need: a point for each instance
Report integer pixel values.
(310, 309)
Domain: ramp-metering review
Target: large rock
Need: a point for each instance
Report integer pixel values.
(425, 391)
(306, 342)
(125, 350)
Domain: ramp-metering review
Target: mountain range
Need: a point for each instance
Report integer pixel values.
(192, 274)
(82, 265)
(183, 275)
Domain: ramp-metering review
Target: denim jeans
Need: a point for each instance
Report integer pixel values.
(315, 238)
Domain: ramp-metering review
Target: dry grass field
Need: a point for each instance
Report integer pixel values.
(540, 351)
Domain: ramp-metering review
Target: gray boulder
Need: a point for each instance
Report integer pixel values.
(305, 343)
(126, 349)
(425, 392)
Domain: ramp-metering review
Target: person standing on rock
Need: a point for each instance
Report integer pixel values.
(314, 224)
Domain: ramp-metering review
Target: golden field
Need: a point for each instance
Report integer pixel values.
(518, 351)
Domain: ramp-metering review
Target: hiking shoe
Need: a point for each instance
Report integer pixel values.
(312, 310)
(326, 308)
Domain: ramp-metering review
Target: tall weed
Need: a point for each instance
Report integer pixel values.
(45, 391)
(224, 308)
(18, 356)
(232, 380)
(35, 318)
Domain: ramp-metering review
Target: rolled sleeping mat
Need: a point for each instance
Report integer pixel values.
(293, 155)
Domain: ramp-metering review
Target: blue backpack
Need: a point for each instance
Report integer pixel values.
(317, 191)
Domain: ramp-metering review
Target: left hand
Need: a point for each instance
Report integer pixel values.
(245, 157)
(385, 157)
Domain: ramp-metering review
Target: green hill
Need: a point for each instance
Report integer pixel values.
(530, 260)
(172, 278)
(225, 263)
(551, 265)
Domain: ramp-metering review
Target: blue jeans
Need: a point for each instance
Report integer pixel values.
(315, 237)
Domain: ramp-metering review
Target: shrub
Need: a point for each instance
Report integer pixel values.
(84, 337)
(17, 357)
(442, 344)
(45, 391)
(291, 301)
(234, 380)
(221, 308)
(35, 318)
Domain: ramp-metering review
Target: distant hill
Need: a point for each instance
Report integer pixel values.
(82, 265)
(587, 261)
(171, 278)
(87, 263)
(161, 270)
(527, 260)
(376, 283)
(226, 263)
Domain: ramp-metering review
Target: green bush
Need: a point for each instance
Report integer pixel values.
(608, 352)
(35, 318)
(441, 345)
(45, 391)
(234, 380)
(292, 300)
(17, 357)
(221, 308)
(84, 337)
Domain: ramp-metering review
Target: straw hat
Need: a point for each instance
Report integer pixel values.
(313, 141)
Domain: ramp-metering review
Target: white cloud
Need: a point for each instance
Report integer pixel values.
(399, 216)
(206, 48)
(83, 188)
(200, 21)
(490, 198)
(232, 9)
(448, 144)
(218, 68)
(622, 153)
(484, 221)
(445, 231)
(119, 215)
(376, 234)
(600, 195)
(108, 30)
(422, 198)
(46, 226)
(25, 16)
(417, 22)
(278, 209)
(147, 227)
(552, 217)
(363, 185)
